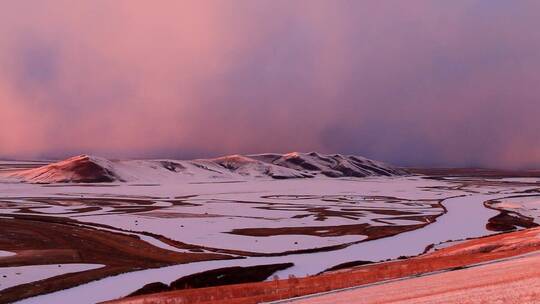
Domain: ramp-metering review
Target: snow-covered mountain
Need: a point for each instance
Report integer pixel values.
(91, 169)
(82, 168)
(335, 165)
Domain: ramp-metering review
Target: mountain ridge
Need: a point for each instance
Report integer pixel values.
(93, 169)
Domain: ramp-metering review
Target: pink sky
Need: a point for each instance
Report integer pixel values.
(411, 82)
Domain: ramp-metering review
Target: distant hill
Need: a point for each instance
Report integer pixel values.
(92, 169)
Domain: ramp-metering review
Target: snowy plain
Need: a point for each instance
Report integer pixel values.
(204, 210)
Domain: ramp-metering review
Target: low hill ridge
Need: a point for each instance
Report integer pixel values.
(92, 169)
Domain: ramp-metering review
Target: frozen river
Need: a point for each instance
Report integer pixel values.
(466, 217)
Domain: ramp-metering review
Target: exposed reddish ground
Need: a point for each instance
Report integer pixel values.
(508, 281)
(467, 253)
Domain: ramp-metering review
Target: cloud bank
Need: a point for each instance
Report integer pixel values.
(448, 83)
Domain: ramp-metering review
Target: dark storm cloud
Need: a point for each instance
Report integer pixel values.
(411, 82)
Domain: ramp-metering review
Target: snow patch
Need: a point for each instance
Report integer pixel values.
(6, 253)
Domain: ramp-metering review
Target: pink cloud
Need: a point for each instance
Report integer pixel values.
(416, 82)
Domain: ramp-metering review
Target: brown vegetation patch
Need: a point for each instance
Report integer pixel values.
(347, 265)
(217, 277)
(328, 231)
(506, 221)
